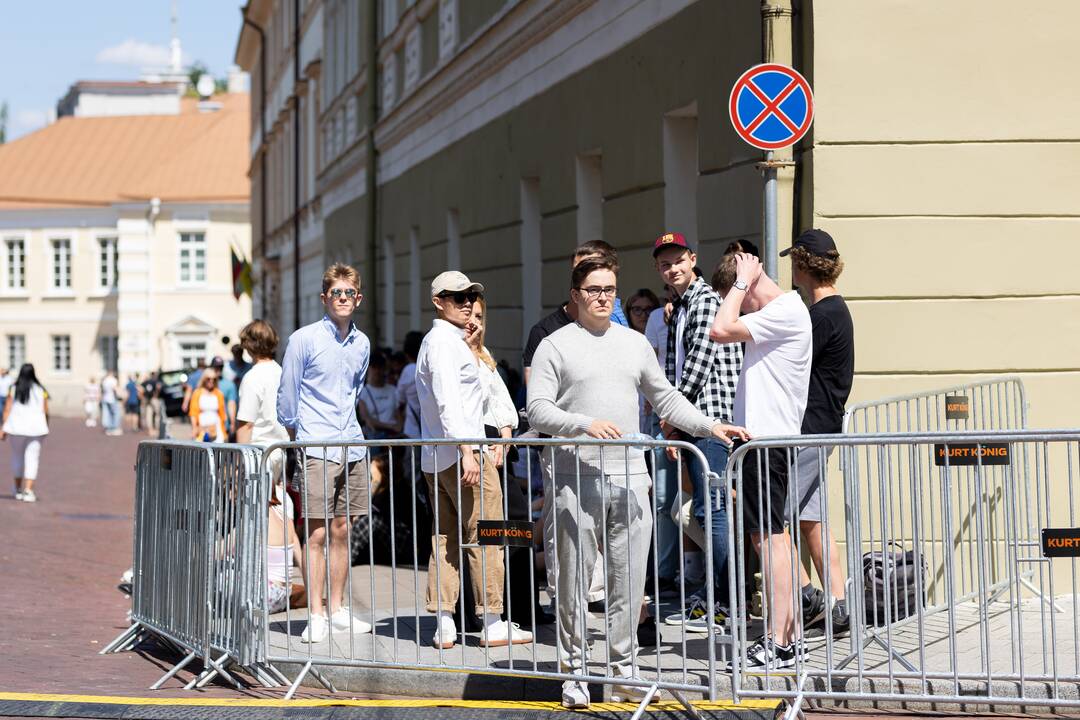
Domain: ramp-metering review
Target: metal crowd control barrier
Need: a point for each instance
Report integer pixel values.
(195, 569)
(998, 403)
(390, 614)
(927, 519)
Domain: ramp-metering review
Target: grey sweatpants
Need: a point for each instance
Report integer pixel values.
(601, 513)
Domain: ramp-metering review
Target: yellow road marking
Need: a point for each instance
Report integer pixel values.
(403, 703)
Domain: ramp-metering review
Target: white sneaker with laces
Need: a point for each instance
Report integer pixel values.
(445, 636)
(18, 494)
(631, 693)
(316, 630)
(575, 695)
(29, 496)
(344, 621)
(502, 633)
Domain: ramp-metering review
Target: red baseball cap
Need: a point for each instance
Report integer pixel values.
(670, 240)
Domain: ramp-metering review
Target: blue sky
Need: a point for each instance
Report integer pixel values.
(46, 45)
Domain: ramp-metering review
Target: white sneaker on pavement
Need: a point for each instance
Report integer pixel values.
(502, 633)
(344, 621)
(445, 636)
(631, 693)
(18, 494)
(316, 630)
(29, 496)
(575, 695)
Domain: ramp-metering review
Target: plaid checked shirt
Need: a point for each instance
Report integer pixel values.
(710, 371)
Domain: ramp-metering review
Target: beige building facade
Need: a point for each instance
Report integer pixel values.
(494, 136)
(116, 236)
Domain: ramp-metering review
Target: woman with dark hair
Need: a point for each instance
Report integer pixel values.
(640, 306)
(26, 420)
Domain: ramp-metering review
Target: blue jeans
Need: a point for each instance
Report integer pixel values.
(716, 454)
(666, 490)
(110, 415)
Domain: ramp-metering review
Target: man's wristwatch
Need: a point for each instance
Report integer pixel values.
(739, 285)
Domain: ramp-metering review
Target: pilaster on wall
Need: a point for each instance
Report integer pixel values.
(133, 290)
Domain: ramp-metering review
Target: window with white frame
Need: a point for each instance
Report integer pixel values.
(14, 264)
(61, 353)
(16, 351)
(107, 263)
(448, 28)
(191, 352)
(61, 263)
(192, 257)
(390, 17)
(110, 352)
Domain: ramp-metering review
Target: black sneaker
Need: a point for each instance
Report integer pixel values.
(814, 606)
(764, 655)
(646, 633)
(841, 618)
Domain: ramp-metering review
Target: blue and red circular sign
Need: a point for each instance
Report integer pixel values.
(771, 106)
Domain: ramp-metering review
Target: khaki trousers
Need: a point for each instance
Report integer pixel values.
(455, 524)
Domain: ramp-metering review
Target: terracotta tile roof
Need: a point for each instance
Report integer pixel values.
(97, 161)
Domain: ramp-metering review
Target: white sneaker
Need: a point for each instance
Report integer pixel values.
(344, 621)
(18, 494)
(29, 496)
(575, 695)
(503, 633)
(631, 693)
(316, 630)
(446, 635)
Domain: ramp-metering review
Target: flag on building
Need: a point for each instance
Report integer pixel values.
(241, 274)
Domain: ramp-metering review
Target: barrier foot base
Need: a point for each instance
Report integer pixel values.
(693, 711)
(323, 680)
(644, 705)
(216, 668)
(1042, 596)
(299, 678)
(884, 646)
(262, 673)
(175, 669)
(122, 640)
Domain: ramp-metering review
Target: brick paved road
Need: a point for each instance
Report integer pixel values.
(61, 560)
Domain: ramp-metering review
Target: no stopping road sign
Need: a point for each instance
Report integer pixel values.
(771, 106)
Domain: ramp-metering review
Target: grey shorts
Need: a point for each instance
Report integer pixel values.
(806, 480)
(335, 495)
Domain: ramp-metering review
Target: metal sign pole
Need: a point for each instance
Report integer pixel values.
(770, 250)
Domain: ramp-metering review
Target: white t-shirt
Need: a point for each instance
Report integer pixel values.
(775, 377)
(258, 403)
(381, 402)
(6, 381)
(27, 419)
(108, 389)
(656, 331)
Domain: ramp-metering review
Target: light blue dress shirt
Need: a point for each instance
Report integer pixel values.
(321, 378)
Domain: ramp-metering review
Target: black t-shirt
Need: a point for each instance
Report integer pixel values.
(833, 366)
(541, 330)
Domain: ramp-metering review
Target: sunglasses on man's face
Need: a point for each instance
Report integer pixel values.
(335, 293)
(460, 298)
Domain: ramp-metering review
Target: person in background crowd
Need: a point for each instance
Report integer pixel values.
(586, 380)
(110, 404)
(91, 401)
(639, 307)
(192, 383)
(451, 393)
(706, 373)
(26, 422)
(132, 404)
(152, 415)
(256, 414)
(395, 363)
(815, 267)
(235, 369)
(232, 396)
(207, 409)
(770, 400)
(5, 384)
(378, 406)
(408, 402)
(322, 376)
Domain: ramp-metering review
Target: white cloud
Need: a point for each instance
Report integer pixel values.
(134, 52)
(29, 120)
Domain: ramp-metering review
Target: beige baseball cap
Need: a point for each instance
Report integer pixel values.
(453, 281)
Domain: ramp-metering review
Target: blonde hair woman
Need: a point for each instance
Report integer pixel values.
(207, 409)
(500, 415)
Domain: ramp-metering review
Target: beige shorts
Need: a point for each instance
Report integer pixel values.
(337, 496)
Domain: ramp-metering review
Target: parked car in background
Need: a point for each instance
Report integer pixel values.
(172, 391)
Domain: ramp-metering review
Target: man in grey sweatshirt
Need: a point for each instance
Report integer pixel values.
(585, 381)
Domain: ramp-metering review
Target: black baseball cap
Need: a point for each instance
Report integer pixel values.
(816, 242)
